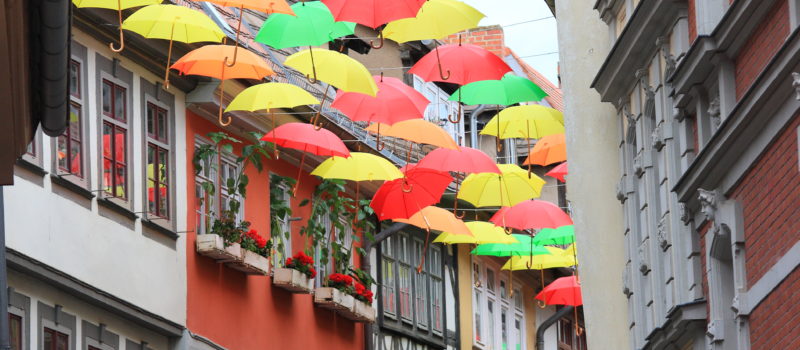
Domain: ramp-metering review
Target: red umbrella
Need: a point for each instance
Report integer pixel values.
(559, 172)
(373, 13)
(532, 214)
(404, 197)
(460, 64)
(307, 138)
(405, 168)
(564, 291)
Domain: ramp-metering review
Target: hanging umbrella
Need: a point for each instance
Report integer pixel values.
(563, 235)
(173, 23)
(548, 150)
(557, 258)
(312, 25)
(416, 130)
(404, 197)
(465, 160)
(266, 6)
(522, 247)
(334, 68)
(308, 139)
(482, 233)
(434, 218)
(510, 90)
(559, 172)
(405, 168)
(564, 291)
(209, 61)
(117, 5)
(373, 13)
(504, 190)
(527, 122)
(435, 20)
(532, 214)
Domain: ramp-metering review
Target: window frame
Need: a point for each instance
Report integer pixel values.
(21, 316)
(286, 223)
(502, 301)
(126, 125)
(167, 145)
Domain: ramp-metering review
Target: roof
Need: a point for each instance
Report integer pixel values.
(555, 98)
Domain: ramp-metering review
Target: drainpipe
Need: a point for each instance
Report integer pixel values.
(366, 266)
(473, 125)
(549, 322)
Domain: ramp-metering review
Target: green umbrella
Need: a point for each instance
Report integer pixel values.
(563, 235)
(507, 91)
(312, 25)
(523, 247)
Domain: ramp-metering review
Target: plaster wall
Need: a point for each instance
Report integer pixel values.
(592, 145)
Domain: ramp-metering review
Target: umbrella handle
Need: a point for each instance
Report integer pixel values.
(458, 116)
(439, 64)
(222, 121)
(541, 304)
(380, 145)
(121, 35)
(578, 328)
(236, 42)
(313, 67)
(403, 187)
(380, 45)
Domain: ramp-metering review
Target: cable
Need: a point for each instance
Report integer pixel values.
(540, 54)
(524, 22)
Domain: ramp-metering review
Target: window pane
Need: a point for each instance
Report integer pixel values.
(108, 159)
(76, 163)
(490, 280)
(74, 79)
(119, 103)
(15, 327)
(151, 120)
(518, 332)
(490, 325)
(62, 341)
(162, 125)
(503, 292)
(436, 297)
(152, 173)
(388, 286)
(504, 328)
(49, 342)
(478, 323)
(121, 175)
(107, 102)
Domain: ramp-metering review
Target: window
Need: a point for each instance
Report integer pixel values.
(499, 315)
(323, 270)
(404, 276)
(15, 328)
(421, 287)
(567, 339)
(206, 207)
(284, 192)
(158, 160)
(68, 145)
(115, 140)
(55, 340)
(437, 288)
(388, 293)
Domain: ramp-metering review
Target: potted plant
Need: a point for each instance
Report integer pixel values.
(255, 254)
(222, 243)
(362, 292)
(336, 294)
(297, 276)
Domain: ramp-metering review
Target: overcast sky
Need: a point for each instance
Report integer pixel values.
(525, 39)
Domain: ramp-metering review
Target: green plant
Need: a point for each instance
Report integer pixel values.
(279, 208)
(329, 202)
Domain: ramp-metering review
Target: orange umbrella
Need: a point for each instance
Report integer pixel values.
(416, 130)
(267, 6)
(548, 150)
(438, 219)
(209, 61)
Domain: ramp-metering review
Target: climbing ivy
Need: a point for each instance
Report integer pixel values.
(279, 208)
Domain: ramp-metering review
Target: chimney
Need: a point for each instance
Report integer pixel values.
(489, 37)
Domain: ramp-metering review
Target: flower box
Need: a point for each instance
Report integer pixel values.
(292, 280)
(333, 299)
(361, 312)
(213, 246)
(251, 264)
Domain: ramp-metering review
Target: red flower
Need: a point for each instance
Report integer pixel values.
(312, 271)
(359, 288)
(288, 261)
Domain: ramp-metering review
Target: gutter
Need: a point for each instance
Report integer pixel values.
(549, 322)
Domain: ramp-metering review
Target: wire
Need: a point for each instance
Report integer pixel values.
(540, 54)
(524, 22)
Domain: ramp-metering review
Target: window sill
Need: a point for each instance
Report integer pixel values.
(32, 167)
(72, 186)
(110, 204)
(168, 232)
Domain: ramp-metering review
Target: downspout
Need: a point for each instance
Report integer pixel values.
(549, 322)
(367, 266)
(473, 125)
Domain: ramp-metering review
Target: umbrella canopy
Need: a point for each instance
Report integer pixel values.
(334, 68)
(482, 233)
(507, 91)
(510, 187)
(526, 122)
(437, 219)
(563, 291)
(559, 172)
(523, 246)
(373, 13)
(563, 235)
(306, 138)
(270, 96)
(312, 25)
(358, 167)
(556, 258)
(404, 197)
(265, 6)
(395, 102)
(173, 22)
(532, 214)
(405, 168)
(118, 5)
(460, 64)
(548, 150)
(435, 20)
(209, 60)
(465, 160)
(416, 130)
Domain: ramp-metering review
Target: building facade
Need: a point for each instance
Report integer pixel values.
(705, 102)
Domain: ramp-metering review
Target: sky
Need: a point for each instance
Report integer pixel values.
(526, 39)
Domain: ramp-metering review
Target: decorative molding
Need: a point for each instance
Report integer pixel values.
(626, 282)
(708, 203)
(714, 112)
(630, 134)
(644, 258)
(638, 168)
(769, 281)
(796, 84)
(662, 233)
(721, 242)
(715, 331)
(657, 140)
(686, 213)
(621, 193)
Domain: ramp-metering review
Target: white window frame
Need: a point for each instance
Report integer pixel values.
(128, 124)
(279, 257)
(168, 146)
(491, 330)
(81, 102)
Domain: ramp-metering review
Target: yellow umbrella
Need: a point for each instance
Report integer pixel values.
(173, 23)
(514, 185)
(118, 5)
(269, 96)
(358, 167)
(482, 232)
(557, 258)
(526, 122)
(435, 20)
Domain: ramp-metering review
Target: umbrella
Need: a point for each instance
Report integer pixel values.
(210, 61)
(373, 13)
(482, 233)
(269, 96)
(312, 25)
(548, 150)
(555, 236)
(559, 172)
(307, 138)
(507, 91)
(514, 187)
(118, 5)
(405, 168)
(556, 258)
(564, 291)
(465, 160)
(334, 68)
(523, 247)
(404, 197)
(266, 6)
(416, 130)
(528, 122)
(173, 23)
(434, 218)
(435, 20)
(532, 214)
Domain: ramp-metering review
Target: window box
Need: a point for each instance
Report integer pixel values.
(213, 246)
(292, 280)
(251, 263)
(362, 312)
(334, 299)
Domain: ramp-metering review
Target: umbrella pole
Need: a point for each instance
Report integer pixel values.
(169, 57)
(378, 144)
(358, 206)
(236, 44)
(313, 69)
(458, 117)
(121, 35)
(578, 329)
(528, 133)
(499, 145)
(540, 303)
(315, 119)
(299, 172)
(272, 114)
(425, 247)
(455, 202)
(408, 155)
(221, 99)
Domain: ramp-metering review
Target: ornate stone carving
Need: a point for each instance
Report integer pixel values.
(621, 195)
(638, 169)
(708, 203)
(669, 60)
(656, 138)
(630, 134)
(796, 84)
(663, 240)
(626, 283)
(641, 75)
(714, 112)
(650, 102)
(715, 331)
(686, 215)
(644, 258)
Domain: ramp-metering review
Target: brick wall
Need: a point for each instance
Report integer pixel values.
(692, 20)
(489, 37)
(762, 46)
(770, 198)
(775, 323)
